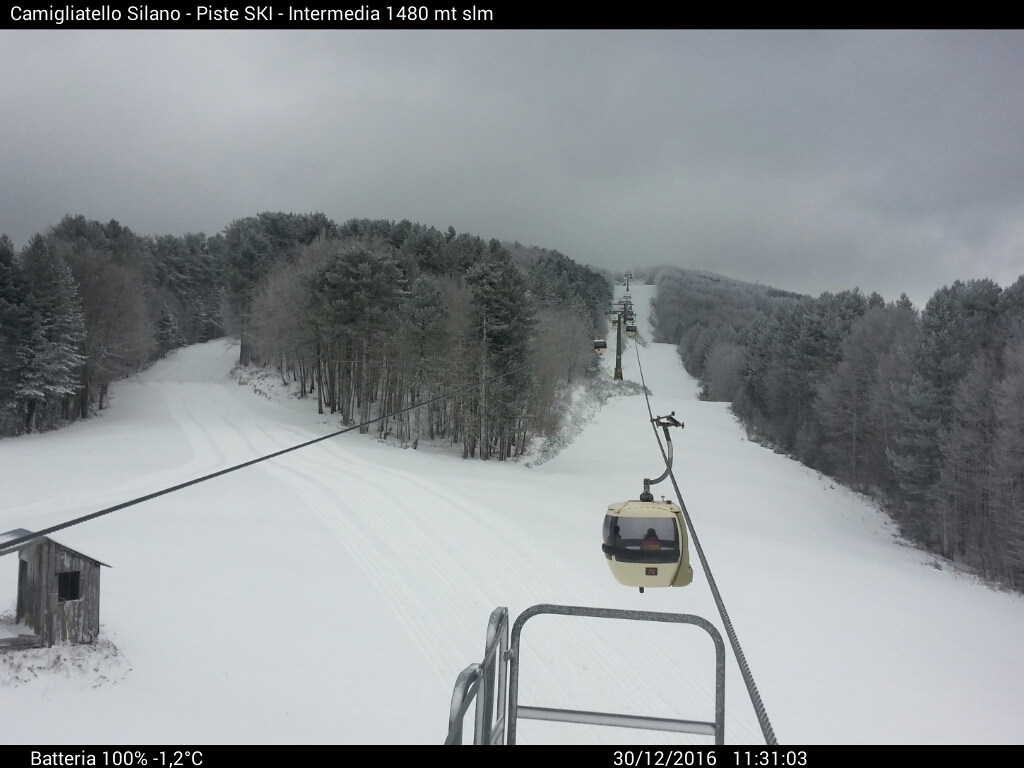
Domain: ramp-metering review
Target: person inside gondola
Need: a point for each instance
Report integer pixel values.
(651, 542)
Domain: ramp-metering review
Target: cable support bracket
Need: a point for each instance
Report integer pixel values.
(664, 422)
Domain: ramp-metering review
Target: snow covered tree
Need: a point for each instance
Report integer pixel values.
(357, 292)
(49, 357)
(1008, 462)
(13, 326)
(421, 348)
(119, 331)
(505, 319)
(853, 427)
(915, 456)
(188, 284)
(168, 334)
(285, 320)
(964, 494)
(252, 247)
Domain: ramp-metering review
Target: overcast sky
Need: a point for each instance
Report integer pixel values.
(810, 161)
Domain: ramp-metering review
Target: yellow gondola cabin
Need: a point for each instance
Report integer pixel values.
(646, 545)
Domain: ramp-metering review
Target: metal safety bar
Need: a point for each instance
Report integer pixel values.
(621, 721)
(466, 686)
(486, 682)
(515, 711)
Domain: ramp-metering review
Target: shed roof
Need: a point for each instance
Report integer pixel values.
(18, 533)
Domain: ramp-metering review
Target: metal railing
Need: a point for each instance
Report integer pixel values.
(486, 682)
(467, 684)
(516, 711)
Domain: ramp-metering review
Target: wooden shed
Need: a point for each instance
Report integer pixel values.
(58, 594)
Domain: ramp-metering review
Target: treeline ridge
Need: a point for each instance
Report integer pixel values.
(922, 410)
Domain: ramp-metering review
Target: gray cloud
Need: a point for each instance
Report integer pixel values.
(811, 161)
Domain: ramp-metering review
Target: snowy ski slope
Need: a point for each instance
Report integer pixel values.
(334, 594)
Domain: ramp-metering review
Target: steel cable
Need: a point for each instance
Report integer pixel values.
(748, 677)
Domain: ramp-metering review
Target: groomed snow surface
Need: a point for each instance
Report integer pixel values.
(334, 594)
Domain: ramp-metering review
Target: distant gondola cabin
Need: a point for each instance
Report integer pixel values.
(58, 595)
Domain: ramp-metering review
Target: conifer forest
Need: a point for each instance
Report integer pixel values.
(923, 410)
(369, 317)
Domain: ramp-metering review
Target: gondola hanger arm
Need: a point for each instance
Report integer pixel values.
(664, 422)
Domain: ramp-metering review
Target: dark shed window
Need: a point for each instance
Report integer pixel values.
(69, 585)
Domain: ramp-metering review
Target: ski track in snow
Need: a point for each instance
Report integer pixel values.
(383, 533)
(436, 568)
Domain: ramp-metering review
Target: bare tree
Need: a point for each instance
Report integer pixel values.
(118, 323)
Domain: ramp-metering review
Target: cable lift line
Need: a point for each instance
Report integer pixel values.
(630, 559)
(13, 544)
(741, 660)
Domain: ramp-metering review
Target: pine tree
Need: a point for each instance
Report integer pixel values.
(187, 276)
(505, 318)
(1008, 462)
(423, 344)
(914, 457)
(13, 327)
(168, 334)
(853, 428)
(357, 292)
(964, 498)
(49, 357)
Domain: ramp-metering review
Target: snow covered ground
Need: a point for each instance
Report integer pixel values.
(334, 594)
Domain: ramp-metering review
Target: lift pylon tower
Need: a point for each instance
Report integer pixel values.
(618, 346)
